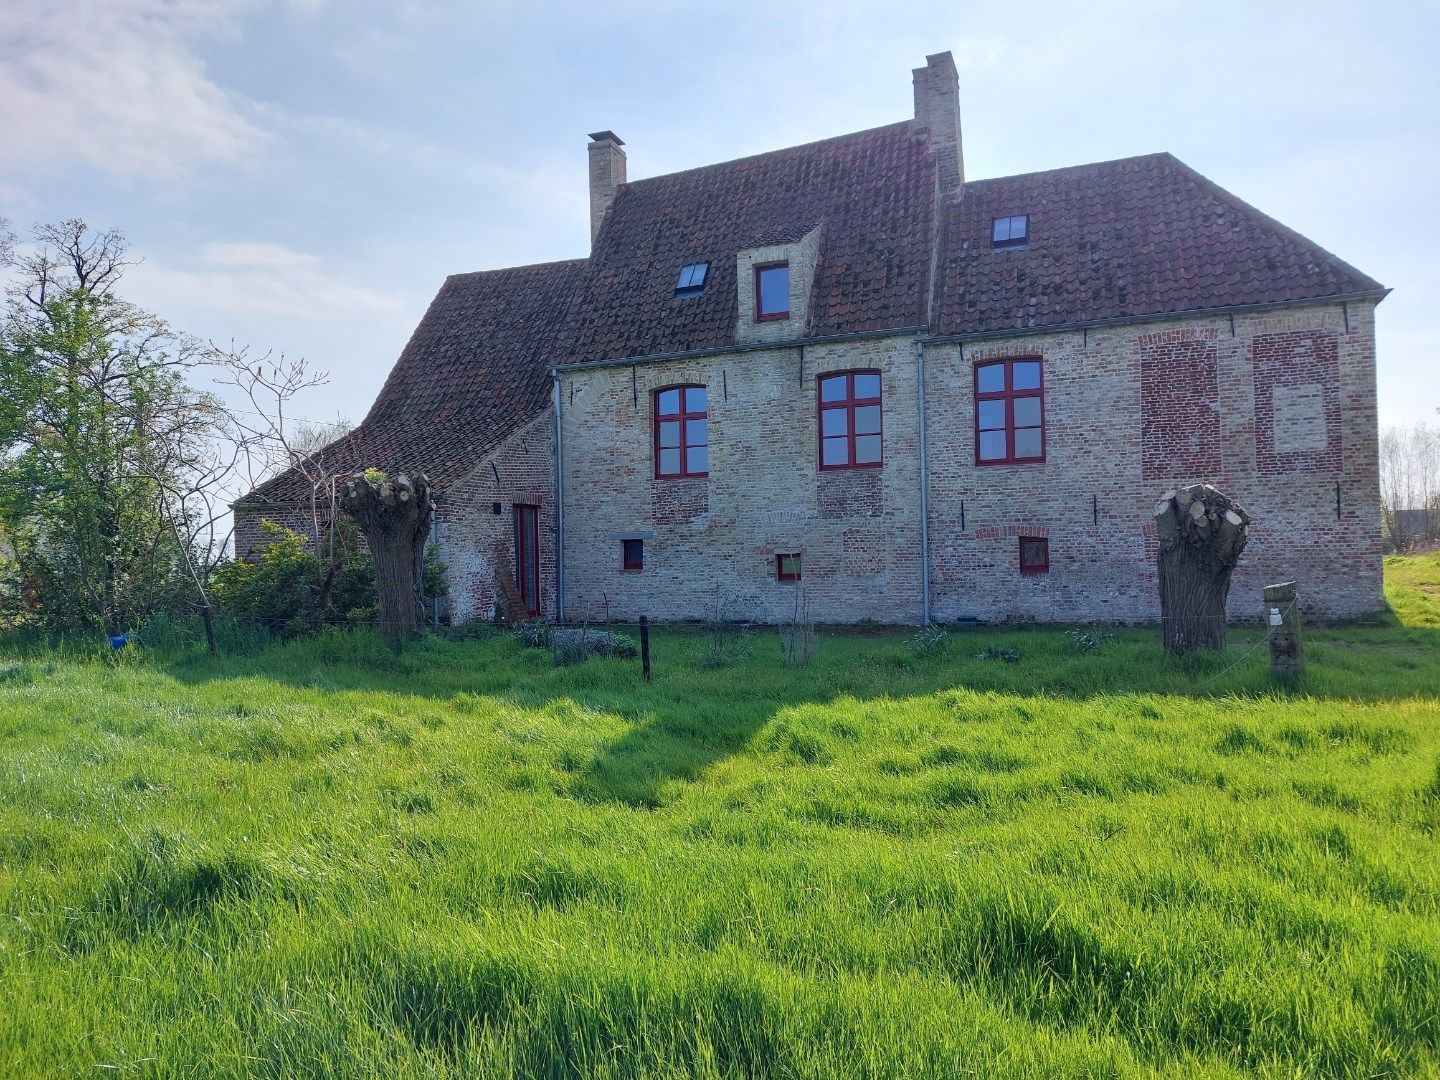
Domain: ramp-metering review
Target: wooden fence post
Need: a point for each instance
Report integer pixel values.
(1282, 621)
(645, 646)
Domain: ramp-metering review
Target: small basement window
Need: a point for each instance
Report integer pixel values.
(772, 291)
(692, 279)
(787, 566)
(632, 554)
(1034, 555)
(1011, 232)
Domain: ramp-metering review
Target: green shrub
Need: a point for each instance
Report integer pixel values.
(570, 646)
(533, 632)
(284, 589)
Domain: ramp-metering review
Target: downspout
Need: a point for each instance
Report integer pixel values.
(559, 501)
(924, 490)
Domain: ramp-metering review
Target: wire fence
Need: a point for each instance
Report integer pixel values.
(1216, 676)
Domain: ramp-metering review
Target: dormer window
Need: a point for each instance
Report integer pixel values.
(1011, 232)
(692, 279)
(772, 291)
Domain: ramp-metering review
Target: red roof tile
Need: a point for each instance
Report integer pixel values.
(1122, 239)
(476, 368)
(872, 193)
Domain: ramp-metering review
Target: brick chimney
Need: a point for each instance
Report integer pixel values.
(937, 113)
(607, 173)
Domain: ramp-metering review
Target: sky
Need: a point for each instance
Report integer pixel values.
(301, 175)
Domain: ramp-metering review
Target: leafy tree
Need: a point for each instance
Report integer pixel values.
(98, 430)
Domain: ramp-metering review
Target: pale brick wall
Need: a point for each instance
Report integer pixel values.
(715, 540)
(1131, 411)
(1276, 412)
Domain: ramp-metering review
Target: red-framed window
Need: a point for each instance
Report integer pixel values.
(1034, 555)
(682, 432)
(1009, 411)
(632, 554)
(772, 291)
(850, 420)
(787, 566)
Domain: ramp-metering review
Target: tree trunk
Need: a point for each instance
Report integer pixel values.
(393, 513)
(1201, 533)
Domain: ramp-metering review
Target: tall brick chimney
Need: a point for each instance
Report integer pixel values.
(607, 173)
(937, 112)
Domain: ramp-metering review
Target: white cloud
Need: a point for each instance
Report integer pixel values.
(117, 85)
(256, 278)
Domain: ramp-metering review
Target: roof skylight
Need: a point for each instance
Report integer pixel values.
(692, 278)
(1011, 231)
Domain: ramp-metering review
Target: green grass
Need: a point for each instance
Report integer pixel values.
(323, 860)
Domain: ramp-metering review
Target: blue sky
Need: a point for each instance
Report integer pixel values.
(302, 174)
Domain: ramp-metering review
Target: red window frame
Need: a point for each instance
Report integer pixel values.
(781, 574)
(766, 316)
(632, 554)
(1041, 567)
(1009, 396)
(683, 418)
(848, 405)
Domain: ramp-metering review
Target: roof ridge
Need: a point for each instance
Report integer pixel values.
(1156, 155)
(767, 153)
(519, 266)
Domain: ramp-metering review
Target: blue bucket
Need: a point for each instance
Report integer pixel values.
(119, 641)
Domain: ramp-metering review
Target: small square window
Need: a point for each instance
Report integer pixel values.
(1034, 555)
(772, 291)
(632, 554)
(787, 567)
(1010, 232)
(692, 279)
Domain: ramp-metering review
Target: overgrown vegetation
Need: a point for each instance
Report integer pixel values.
(290, 589)
(98, 433)
(325, 859)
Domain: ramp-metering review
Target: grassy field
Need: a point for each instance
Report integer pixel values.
(1003, 855)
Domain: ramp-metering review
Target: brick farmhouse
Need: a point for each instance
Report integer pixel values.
(842, 375)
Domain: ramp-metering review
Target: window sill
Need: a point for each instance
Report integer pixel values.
(778, 316)
(853, 468)
(683, 476)
(1010, 461)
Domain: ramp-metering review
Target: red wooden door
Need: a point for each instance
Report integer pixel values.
(527, 556)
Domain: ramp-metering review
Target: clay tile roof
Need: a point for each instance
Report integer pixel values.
(1122, 239)
(871, 193)
(475, 369)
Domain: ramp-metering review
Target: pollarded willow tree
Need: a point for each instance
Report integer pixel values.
(1201, 532)
(393, 513)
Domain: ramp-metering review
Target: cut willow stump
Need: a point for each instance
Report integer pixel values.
(1201, 533)
(393, 513)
